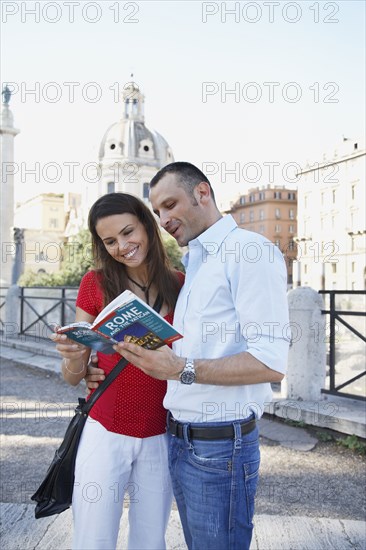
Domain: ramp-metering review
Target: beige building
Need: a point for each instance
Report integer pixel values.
(331, 221)
(43, 220)
(271, 211)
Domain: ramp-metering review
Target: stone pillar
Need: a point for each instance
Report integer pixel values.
(307, 356)
(12, 313)
(18, 265)
(7, 171)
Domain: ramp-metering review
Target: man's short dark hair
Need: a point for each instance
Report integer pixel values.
(188, 176)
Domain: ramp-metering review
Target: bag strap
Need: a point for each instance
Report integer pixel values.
(122, 363)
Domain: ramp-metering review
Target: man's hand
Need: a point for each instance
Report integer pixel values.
(94, 374)
(162, 363)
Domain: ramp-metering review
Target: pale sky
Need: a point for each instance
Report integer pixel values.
(296, 71)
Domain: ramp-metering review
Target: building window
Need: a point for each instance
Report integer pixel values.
(110, 187)
(277, 228)
(321, 223)
(291, 245)
(291, 214)
(333, 222)
(277, 243)
(251, 198)
(353, 192)
(54, 223)
(305, 202)
(353, 266)
(277, 213)
(242, 217)
(290, 196)
(277, 194)
(333, 196)
(322, 199)
(291, 229)
(334, 268)
(145, 190)
(305, 269)
(242, 200)
(261, 214)
(262, 196)
(352, 244)
(251, 216)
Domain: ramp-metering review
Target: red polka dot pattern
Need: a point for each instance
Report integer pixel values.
(132, 405)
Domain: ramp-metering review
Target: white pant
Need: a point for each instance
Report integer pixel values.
(107, 466)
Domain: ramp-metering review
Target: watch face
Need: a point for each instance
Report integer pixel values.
(188, 377)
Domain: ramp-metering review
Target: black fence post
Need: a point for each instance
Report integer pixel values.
(332, 340)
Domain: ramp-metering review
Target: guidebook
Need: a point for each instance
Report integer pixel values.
(126, 318)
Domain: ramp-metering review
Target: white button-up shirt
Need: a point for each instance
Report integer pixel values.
(233, 300)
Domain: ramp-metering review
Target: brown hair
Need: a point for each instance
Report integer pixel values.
(114, 276)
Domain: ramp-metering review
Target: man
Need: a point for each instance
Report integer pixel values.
(232, 311)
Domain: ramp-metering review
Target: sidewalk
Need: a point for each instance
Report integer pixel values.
(20, 531)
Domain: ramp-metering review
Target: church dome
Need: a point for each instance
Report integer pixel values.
(129, 139)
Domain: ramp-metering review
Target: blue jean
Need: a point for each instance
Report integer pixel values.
(214, 484)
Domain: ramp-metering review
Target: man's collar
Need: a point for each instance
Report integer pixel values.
(213, 237)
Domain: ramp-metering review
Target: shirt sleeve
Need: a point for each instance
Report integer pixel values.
(89, 297)
(259, 289)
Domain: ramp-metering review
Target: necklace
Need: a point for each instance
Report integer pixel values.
(145, 289)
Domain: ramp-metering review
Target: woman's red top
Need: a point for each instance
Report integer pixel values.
(133, 404)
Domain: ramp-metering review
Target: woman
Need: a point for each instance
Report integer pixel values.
(123, 445)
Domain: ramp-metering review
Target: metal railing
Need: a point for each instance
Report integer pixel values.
(56, 306)
(336, 315)
(3, 291)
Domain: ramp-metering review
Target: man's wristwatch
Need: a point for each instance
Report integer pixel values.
(188, 374)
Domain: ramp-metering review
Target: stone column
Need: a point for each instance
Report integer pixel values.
(12, 313)
(307, 356)
(7, 171)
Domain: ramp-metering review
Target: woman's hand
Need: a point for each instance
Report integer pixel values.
(69, 349)
(75, 358)
(94, 375)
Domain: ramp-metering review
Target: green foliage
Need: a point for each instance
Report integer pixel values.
(324, 436)
(353, 443)
(174, 253)
(31, 278)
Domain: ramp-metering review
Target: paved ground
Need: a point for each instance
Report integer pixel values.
(311, 493)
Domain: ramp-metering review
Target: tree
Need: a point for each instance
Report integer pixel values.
(174, 253)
